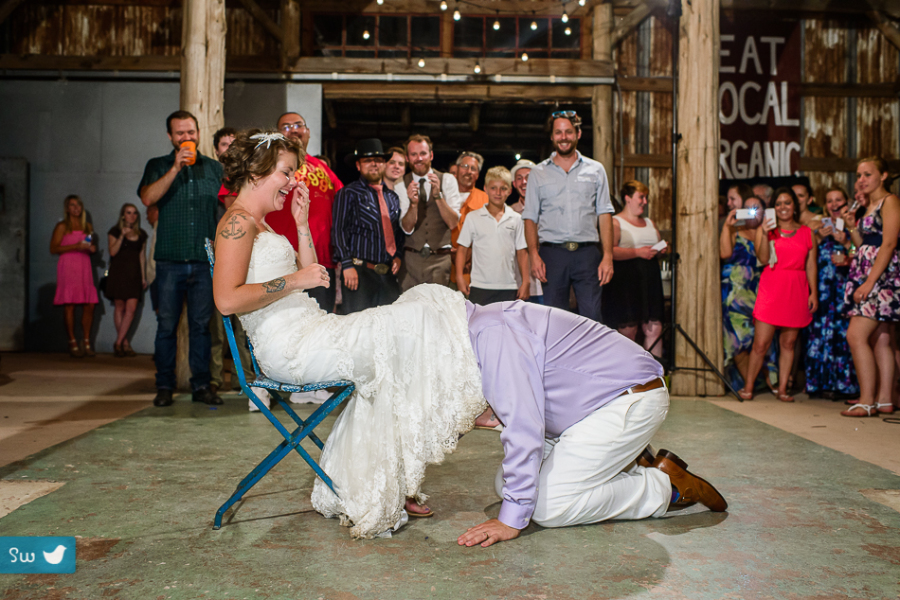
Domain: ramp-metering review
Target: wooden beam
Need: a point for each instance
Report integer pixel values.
(446, 34)
(290, 28)
(264, 19)
(601, 96)
(645, 84)
(850, 90)
(406, 116)
(652, 161)
(886, 27)
(698, 302)
(474, 116)
(430, 92)
(457, 66)
(629, 23)
(7, 7)
(836, 164)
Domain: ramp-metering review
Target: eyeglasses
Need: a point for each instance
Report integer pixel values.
(293, 126)
(564, 114)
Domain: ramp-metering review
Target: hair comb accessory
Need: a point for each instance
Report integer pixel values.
(266, 138)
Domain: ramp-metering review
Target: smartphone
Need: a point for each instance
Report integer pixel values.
(839, 224)
(745, 214)
(770, 215)
(827, 222)
(89, 238)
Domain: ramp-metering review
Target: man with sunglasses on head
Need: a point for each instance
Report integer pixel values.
(566, 201)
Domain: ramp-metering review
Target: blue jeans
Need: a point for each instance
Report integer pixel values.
(577, 270)
(177, 281)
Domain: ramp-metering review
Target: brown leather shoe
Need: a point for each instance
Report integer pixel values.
(691, 489)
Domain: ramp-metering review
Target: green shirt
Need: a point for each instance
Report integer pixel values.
(187, 211)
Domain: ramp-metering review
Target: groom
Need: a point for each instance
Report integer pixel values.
(579, 404)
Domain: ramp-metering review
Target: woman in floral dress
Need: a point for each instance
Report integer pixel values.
(829, 364)
(872, 291)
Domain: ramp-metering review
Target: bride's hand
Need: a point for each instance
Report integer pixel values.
(313, 276)
(300, 204)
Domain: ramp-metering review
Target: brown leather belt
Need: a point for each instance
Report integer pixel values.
(427, 251)
(645, 387)
(380, 268)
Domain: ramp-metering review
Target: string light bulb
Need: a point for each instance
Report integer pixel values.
(380, 2)
(534, 25)
(496, 25)
(443, 4)
(518, 156)
(582, 2)
(456, 15)
(421, 62)
(477, 68)
(565, 17)
(524, 57)
(366, 34)
(568, 31)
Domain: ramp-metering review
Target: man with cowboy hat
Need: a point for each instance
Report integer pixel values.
(366, 232)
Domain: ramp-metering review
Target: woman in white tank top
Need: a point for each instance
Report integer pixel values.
(634, 297)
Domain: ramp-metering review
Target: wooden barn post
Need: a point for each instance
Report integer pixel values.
(699, 309)
(203, 95)
(601, 99)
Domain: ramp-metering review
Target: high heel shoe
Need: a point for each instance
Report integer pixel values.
(118, 352)
(126, 348)
(75, 350)
(88, 351)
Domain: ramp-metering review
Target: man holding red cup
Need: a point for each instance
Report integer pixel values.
(184, 185)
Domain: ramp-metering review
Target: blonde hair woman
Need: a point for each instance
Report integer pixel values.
(127, 273)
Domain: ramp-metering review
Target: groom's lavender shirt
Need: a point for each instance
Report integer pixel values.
(543, 370)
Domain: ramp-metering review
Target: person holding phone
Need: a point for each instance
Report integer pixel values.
(740, 280)
(634, 296)
(829, 364)
(127, 277)
(872, 291)
(73, 240)
(787, 296)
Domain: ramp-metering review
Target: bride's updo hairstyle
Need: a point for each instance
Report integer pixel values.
(253, 155)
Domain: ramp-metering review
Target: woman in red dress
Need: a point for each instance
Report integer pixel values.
(787, 297)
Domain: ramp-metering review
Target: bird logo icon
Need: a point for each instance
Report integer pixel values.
(55, 557)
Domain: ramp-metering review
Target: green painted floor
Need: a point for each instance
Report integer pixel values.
(142, 492)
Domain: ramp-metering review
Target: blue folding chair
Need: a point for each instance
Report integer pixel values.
(291, 439)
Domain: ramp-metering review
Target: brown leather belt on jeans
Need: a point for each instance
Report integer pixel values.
(645, 387)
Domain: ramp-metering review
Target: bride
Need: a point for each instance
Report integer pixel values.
(418, 386)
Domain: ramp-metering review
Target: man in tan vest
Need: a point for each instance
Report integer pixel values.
(433, 211)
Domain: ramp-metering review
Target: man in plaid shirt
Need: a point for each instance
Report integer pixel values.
(184, 185)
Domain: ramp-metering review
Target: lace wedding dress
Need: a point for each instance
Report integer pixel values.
(418, 386)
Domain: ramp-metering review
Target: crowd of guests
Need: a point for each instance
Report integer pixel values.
(799, 286)
(814, 294)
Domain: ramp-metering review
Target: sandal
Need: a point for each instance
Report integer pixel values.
(785, 397)
(745, 395)
(118, 352)
(868, 408)
(88, 351)
(128, 350)
(418, 515)
(75, 350)
(886, 408)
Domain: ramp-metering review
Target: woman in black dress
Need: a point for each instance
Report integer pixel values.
(127, 273)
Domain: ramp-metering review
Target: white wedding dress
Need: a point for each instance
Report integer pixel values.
(418, 386)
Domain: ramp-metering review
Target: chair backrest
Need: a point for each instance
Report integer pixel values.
(229, 331)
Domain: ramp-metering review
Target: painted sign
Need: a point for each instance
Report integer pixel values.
(759, 98)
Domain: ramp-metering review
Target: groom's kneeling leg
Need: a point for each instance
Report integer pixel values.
(583, 478)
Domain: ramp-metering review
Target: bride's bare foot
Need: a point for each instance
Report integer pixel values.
(414, 509)
(487, 420)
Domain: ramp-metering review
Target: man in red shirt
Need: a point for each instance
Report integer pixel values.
(322, 184)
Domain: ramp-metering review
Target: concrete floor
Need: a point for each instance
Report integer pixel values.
(805, 520)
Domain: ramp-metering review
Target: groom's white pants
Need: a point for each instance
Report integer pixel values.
(588, 473)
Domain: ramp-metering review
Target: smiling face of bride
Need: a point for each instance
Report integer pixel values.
(273, 190)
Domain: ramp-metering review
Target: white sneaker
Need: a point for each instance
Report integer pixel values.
(263, 395)
(316, 397)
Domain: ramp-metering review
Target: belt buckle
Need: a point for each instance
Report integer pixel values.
(381, 269)
(357, 262)
(425, 252)
(571, 246)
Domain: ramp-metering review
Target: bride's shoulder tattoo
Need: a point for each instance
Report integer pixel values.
(276, 285)
(235, 228)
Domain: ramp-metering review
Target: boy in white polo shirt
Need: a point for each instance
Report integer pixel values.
(494, 236)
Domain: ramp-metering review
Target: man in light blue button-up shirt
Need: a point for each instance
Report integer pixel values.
(566, 201)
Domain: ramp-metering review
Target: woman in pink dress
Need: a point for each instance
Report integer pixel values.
(73, 240)
(787, 297)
